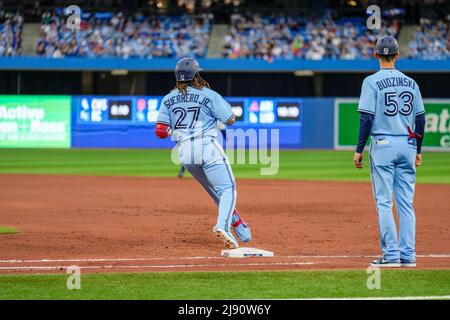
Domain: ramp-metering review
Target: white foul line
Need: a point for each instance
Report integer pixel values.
(384, 298)
(445, 255)
(158, 266)
(105, 259)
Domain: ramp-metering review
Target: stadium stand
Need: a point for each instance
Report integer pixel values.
(10, 34)
(330, 34)
(432, 40)
(117, 35)
(283, 37)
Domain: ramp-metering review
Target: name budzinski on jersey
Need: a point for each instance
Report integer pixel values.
(395, 82)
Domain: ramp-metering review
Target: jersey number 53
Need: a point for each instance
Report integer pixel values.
(390, 100)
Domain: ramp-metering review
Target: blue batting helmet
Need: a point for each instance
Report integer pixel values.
(386, 46)
(186, 69)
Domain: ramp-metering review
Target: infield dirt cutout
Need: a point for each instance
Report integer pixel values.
(105, 224)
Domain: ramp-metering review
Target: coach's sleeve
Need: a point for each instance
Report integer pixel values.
(418, 102)
(163, 114)
(365, 128)
(419, 130)
(367, 99)
(221, 109)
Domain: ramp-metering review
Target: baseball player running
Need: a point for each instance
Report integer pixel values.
(392, 113)
(189, 113)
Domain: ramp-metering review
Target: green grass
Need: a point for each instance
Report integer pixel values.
(305, 165)
(226, 285)
(8, 230)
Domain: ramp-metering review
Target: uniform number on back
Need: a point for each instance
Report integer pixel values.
(390, 100)
(181, 113)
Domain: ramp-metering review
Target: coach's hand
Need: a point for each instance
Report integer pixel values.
(358, 160)
(418, 160)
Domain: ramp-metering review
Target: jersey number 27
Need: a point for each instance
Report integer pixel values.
(182, 114)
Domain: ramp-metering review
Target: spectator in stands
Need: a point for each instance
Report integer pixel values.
(282, 37)
(115, 35)
(11, 34)
(432, 40)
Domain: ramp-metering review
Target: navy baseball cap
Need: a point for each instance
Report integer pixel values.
(186, 69)
(386, 46)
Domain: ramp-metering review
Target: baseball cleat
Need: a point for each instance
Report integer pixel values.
(384, 263)
(227, 238)
(241, 227)
(408, 263)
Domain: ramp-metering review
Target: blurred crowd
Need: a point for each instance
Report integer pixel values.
(116, 35)
(11, 26)
(432, 40)
(249, 36)
(282, 37)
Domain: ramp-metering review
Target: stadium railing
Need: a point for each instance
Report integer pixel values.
(236, 65)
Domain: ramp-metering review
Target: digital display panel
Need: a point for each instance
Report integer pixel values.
(238, 110)
(266, 111)
(143, 110)
(288, 111)
(119, 110)
(147, 109)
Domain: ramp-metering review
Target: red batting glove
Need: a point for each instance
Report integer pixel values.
(162, 130)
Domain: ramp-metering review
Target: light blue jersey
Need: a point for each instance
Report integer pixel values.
(194, 114)
(193, 118)
(394, 99)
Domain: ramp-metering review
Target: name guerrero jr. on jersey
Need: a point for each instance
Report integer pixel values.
(181, 98)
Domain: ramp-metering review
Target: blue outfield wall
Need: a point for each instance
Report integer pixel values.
(35, 121)
(98, 122)
(318, 123)
(217, 65)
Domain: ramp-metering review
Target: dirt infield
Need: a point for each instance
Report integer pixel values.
(154, 224)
